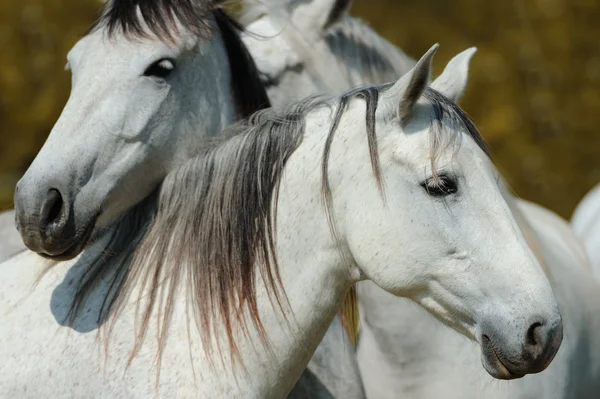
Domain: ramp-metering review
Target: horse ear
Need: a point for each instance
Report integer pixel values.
(316, 16)
(409, 88)
(453, 80)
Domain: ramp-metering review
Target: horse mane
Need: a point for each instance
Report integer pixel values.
(447, 111)
(361, 49)
(213, 229)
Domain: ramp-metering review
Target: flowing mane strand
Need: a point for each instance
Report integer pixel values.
(216, 211)
(214, 227)
(444, 109)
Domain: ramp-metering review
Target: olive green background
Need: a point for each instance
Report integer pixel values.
(533, 89)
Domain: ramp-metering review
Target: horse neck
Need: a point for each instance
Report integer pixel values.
(314, 275)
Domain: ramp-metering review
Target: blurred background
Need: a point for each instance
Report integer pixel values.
(534, 86)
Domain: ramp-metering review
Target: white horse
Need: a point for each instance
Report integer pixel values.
(586, 224)
(400, 346)
(256, 242)
(403, 352)
(129, 117)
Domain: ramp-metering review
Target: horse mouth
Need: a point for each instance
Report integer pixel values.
(493, 363)
(78, 245)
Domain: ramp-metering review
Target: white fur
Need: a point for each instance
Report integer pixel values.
(403, 352)
(10, 240)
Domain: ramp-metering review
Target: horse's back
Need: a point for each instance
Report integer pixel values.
(586, 224)
(558, 234)
(10, 240)
(586, 215)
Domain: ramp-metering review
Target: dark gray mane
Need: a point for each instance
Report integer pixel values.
(445, 109)
(138, 18)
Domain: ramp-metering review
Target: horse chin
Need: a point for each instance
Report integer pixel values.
(79, 244)
(494, 365)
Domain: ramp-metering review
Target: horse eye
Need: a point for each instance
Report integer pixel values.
(160, 69)
(442, 186)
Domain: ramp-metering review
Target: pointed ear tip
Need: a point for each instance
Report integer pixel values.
(433, 49)
(464, 56)
(428, 56)
(471, 50)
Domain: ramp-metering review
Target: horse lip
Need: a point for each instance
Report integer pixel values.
(77, 247)
(504, 373)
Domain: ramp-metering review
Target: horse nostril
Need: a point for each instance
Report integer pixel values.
(52, 210)
(534, 337)
(536, 340)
